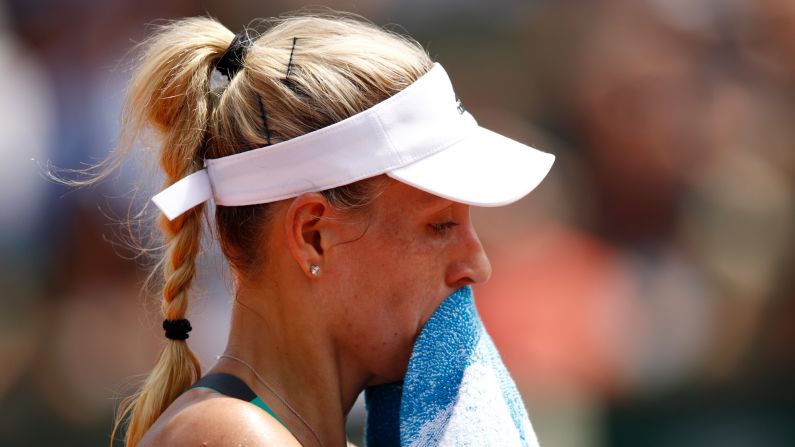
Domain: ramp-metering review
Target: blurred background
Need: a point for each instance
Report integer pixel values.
(644, 295)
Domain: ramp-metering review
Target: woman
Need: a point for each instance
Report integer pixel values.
(343, 168)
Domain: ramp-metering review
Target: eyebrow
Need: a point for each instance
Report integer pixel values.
(432, 201)
(423, 199)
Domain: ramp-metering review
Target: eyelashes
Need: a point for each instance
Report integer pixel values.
(442, 228)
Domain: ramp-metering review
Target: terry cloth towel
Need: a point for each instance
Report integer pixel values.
(456, 391)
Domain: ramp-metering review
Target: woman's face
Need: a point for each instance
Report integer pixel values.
(406, 253)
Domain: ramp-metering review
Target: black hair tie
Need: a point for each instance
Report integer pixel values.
(177, 329)
(232, 60)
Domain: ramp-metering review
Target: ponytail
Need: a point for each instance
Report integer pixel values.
(170, 93)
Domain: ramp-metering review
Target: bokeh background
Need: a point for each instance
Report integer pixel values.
(642, 296)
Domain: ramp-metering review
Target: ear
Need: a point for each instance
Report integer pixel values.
(307, 224)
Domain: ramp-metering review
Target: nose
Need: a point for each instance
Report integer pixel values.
(471, 264)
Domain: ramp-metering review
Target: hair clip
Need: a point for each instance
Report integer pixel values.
(287, 80)
(264, 120)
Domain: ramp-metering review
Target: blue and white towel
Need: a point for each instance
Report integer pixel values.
(456, 391)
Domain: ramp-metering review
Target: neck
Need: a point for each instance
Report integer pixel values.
(298, 360)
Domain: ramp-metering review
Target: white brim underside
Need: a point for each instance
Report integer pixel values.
(483, 169)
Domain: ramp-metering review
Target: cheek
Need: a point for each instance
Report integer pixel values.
(391, 287)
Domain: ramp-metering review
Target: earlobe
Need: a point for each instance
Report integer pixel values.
(304, 227)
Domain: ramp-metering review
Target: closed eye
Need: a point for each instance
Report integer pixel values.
(442, 227)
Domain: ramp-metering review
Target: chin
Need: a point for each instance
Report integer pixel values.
(393, 361)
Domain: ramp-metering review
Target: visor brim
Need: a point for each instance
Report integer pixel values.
(483, 169)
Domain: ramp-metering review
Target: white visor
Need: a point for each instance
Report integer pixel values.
(421, 136)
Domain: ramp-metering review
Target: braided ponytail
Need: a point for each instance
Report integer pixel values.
(170, 93)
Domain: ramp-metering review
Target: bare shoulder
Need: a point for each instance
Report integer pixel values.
(219, 421)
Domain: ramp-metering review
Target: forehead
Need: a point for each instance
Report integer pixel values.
(399, 195)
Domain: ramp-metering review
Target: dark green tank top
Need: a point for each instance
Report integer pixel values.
(232, 386)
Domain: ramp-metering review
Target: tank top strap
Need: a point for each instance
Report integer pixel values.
(233, 386)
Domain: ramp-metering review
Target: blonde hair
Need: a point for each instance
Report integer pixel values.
(340, 66)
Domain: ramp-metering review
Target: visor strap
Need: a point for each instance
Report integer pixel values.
(184, 194)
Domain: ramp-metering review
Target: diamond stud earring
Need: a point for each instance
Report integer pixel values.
(314, 269)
